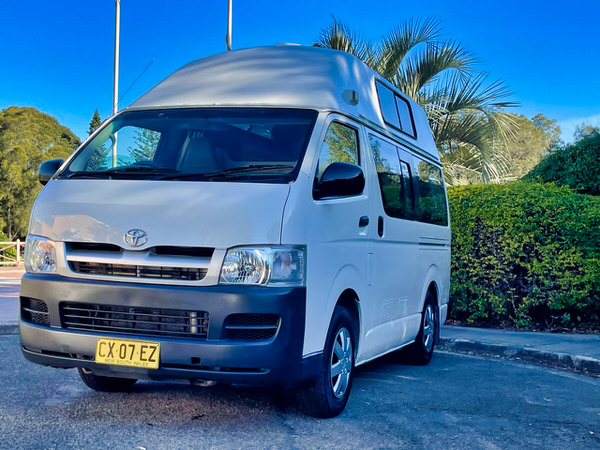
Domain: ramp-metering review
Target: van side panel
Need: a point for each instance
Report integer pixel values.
(408, 256)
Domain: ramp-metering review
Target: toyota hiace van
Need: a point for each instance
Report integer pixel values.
(271, 216)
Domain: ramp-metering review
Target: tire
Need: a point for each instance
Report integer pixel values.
(328, 394)
(105, 384)
(420, 352)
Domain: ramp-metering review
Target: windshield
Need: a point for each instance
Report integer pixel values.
(221, 144)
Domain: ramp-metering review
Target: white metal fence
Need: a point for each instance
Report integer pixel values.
(11, 253)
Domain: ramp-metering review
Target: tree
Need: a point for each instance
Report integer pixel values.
(550, 129)
(464, 110)
(584, 131)
(27, 138)
(94, 123)
(146, 143)
(530, 142)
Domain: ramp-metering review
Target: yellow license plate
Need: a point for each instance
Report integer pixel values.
(120, 352)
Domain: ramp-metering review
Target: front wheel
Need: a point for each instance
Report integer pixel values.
(420, 352)
(327, 395)
(105, 384)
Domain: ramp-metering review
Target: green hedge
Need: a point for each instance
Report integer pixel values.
(526, 255)
(576, 166)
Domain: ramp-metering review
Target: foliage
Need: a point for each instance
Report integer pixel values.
(550, 129)
(584, 131)
(27, 138)
(96, 161)
(531, 141)
(526, 255)
(9, 252)
(146, 143)
(94, 123)
(576, 166)
(464, 110)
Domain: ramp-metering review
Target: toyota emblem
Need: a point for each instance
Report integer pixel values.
(135, 237)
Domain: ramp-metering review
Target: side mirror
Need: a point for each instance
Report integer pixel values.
(340, 179)
(48, 169)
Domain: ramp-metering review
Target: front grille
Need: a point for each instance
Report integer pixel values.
(251, 327)
(134, 320)
(34, 311)
(167, 250)
(135, 271)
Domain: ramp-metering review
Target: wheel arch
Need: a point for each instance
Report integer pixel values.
(350, 301)
(343, 290)
(433, 285)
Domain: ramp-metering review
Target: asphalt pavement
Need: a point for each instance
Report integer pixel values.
(456, 402)
(576, 352)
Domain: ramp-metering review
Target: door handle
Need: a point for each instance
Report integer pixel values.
(363, 221)
(380, 226)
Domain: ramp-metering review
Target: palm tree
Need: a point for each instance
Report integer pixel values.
(464, 110)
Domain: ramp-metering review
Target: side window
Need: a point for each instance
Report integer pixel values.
(407, 186)
(340, 144)
(394, 179)
(388, 106)
(406, 121)
(431, 203)
(396, 110)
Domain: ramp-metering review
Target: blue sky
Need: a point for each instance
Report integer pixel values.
(58, 55)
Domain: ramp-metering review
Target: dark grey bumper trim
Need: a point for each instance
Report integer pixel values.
(276, 361)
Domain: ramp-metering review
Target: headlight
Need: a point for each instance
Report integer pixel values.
(40, 255)
(264, 266)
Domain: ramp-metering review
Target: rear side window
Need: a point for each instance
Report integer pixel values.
(387, 102)
(394, 180)
(431, 203)
(406, 121)
(396, 110)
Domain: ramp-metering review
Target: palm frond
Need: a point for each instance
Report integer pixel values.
(338, 36)
(427, 66)
(465, 111)
(399, 42)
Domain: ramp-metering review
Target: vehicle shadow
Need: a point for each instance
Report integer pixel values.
(154, 403)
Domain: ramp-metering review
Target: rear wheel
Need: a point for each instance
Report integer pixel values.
(327, 395)
(105, 384)
(420, 352)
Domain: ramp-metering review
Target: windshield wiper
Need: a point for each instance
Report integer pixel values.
(228, 172)
(141, 169)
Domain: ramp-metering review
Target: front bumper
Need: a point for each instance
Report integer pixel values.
(276, 361)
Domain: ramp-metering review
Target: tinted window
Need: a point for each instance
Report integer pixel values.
(431, 197)
(388, 105)
(406, 121)
(394, 180)
(340, 144)
(396, 110)
(408, 190)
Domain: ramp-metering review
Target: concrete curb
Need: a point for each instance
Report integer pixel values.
(580, 364)
(9, 328)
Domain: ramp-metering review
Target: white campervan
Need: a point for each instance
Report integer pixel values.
(269, 216)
